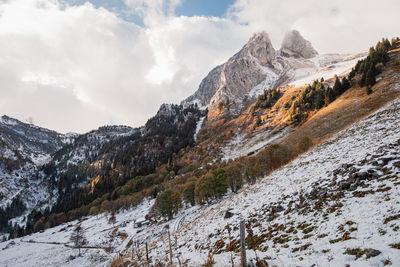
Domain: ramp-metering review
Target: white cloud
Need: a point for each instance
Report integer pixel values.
(74, 68)
(332, 26)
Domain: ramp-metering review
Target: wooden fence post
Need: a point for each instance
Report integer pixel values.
(170, 248)
(243, 244)
(147, 254)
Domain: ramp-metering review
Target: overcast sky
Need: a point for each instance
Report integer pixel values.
(75, 65)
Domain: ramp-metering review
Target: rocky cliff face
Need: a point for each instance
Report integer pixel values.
(256, 67)
(207, 88)
(294, 45)
(249, 67)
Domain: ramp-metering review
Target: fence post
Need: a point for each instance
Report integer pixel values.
(170, 248)
(243, 244)
(147, 254)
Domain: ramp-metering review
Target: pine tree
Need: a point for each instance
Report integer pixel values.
(337, 88)
(168, 203)
(112, 220)
(78, 238)
(370, 78)
(345, 84)
(188, 193)
(330, 95)
(319, 103)
(219, 183)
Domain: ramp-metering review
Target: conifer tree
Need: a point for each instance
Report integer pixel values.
(188, 193)
(337, 87)
(319, 103)
(345, 84)
(370, 78)
(78, 238)
(219, 183)
(168, 203)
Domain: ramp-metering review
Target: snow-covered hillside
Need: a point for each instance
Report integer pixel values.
(346, 189)
(337, 204)
(24, 148)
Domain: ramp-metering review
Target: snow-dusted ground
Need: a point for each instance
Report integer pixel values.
(205, 225)
(371, 146)
(53, 247)
(244, 144)
(305, 77)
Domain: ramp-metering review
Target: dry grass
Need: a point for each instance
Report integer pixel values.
(349, 108)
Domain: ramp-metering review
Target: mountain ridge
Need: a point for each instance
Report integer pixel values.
(182, 147)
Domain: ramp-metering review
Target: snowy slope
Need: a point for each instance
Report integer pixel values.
(346, 188)
(53, 247)
(24, 148)
(369, 142)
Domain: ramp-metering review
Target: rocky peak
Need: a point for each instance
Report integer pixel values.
(231, 87)
(260, 47)
(294, 45)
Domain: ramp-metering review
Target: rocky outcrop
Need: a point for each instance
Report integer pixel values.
(208, 86)
(230, 84)
(294, 45)
(232, 87)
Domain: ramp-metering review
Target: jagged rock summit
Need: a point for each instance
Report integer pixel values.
(239, 74)
(294, 45)
(259, 47)
(230, 84)
(235, 84)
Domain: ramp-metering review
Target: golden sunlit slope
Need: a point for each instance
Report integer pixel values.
(258, 125)
(352, 106)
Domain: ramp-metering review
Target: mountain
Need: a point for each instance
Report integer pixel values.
(333, 205)
(307, 165)
(258, 67)
(29, 152)
(22, 142)
(294, 45)
(24, 149)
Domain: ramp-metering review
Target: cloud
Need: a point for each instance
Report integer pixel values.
(74, 68)
(332, 26)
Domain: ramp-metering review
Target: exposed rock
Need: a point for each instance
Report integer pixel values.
(232, 85)
(294, 45)
(259, 47)
(228, 214)
(208, 86)
(370, 252)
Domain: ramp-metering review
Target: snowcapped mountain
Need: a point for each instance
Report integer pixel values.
(22, 142)
(258, 67)
(29, 151)
(313, 170)
(24, 148)
(334, 205)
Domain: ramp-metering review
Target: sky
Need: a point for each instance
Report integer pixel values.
(75, 65)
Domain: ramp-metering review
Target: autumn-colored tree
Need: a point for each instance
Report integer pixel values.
(202, 189)
(234, 175)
